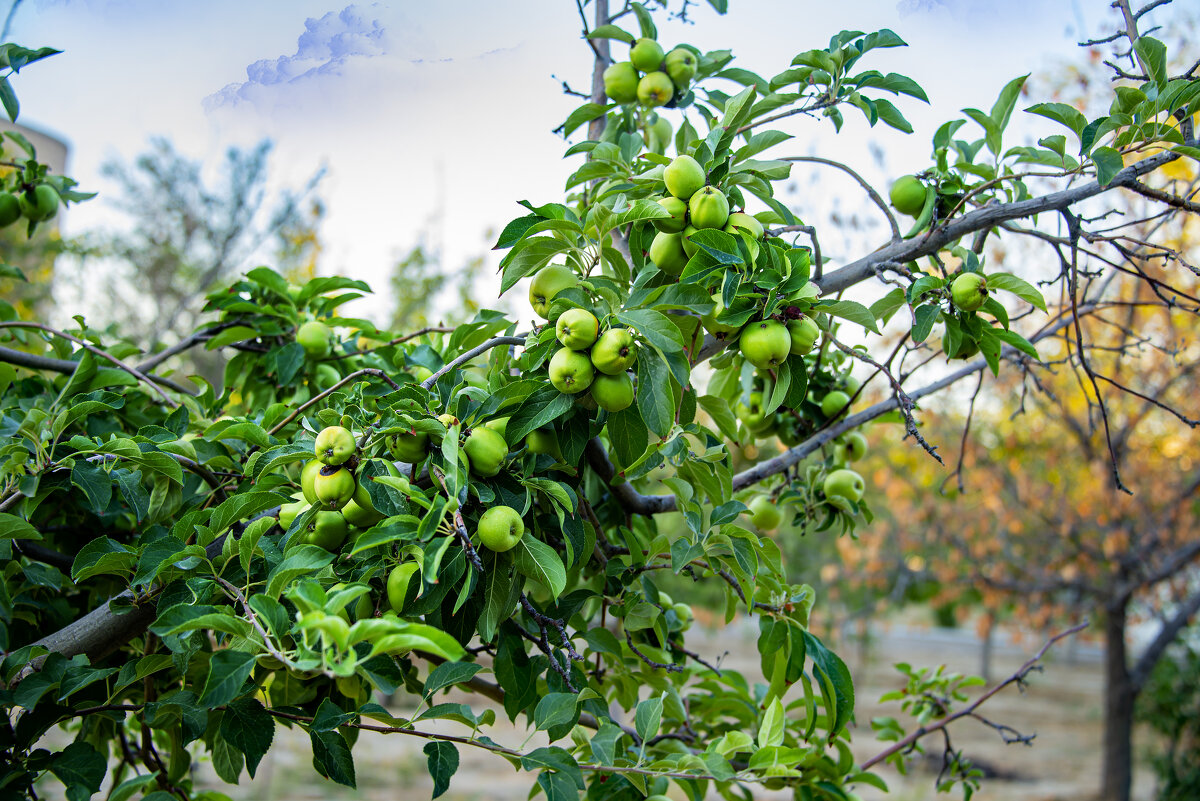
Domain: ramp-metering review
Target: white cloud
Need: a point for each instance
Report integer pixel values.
(327, 45)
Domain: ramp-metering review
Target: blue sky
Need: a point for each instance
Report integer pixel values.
(434, 118)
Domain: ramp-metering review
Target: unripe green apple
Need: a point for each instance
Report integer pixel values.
(908, 195)
(740, 221)
(543, 440)
(359, 511)
(660, 134)
(324, 376)
(334, 445)
(10, 209)
(288, 513)
(308, 476)
(708, 208)
(409, 448)
(420, 373)
(621, 82)
(571, 372)
(398, 582)
(766, 344)
(486, 451)
(689, 247)
(844, 483)
(316, 338)
(499, 425)
(577, 329)
(678, 219)
(855, 446)
(969, 291)
(804, 333)
(40, 204)
(655, 89)
(500, 528)
(753, 415)
(684, 177)
(546, 284)
(765, 514)
(646, 55)
(333, 486)
(681, 66)
(613, 392)
(717, 329)
(684, 613)
(833, 403)
(328, 530)
(615, 351)
(667, 253)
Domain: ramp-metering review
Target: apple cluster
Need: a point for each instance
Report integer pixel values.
(588, 359)
(651, 77)
(328, 482)
(37, 204)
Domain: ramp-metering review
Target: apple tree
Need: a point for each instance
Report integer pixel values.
(491, 509)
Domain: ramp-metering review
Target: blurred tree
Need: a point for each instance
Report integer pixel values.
(1170, 706)
(425, 292)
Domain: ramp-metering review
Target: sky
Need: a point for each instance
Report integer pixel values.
(432, 119)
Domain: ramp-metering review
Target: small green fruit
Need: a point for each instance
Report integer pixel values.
(684, 613)
(613, 392)
(655, 89)
(334, 487)
(681, 66)
(546, 284)
(646, 55)
(39, 204)
(543, 440)
(678, 219)
(969, 291)
(328, 530)
(409, 448)
(288, 513)
(499, 425)
(621, 82)
(684, 177)
(316, 338)
(10, 209)
(844, 483)
(689, 247)
(765, 514)
(308, 476)
(718, 330)
(668, 254)
(753, 415)
(398, 582)
(804, 333)
(359, 511)
(577, 329)
(855, 446)
(486, 451)
(571, 372)
(908, 195)
(334, 445)
(740, 221)
(615, 351)
(833, 403)
(708, 208)
(500, 528)
(766, 344)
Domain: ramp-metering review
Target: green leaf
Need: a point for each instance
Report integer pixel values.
(656, 327)
(531, 255)
(612, 32)
(555, 709)
(770, 730)
(248, 727)
(14, 528)
(1061, 113)
(1002, 109)
(95, 483)
(924, 316)
(441, 758)
(850, 310)
(1017, 341)
(237, 333)
(645, 21)
(227, 672)
(891, 115)
(81, 768)
(9, 98)
(301, 560)
(448, 674)
(832, 671)
(555, 759)
(1108, 163)
(1018, 286)
(585, 113)
(657, 408)
(558, 786)
(541, 407)
(1154, 54)
(537, 560)
(648, 717)
(332, 757)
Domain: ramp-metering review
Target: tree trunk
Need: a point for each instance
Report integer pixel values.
(1119, 695)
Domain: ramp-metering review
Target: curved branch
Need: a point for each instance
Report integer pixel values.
(67, 367)
(321, 396)
(871, 193)
(471, 354)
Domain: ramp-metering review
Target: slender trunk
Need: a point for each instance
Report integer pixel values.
(596, 126)
(985, 655)
(1119, 695)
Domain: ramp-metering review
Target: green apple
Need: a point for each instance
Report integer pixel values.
(615, 351)
(420, 373)
(398, 582)
(359, 511)
(804, 333)
(684, 177)
(855, 446)
(408, 448)
(660, 134)
(621, 82)
(334, 445)
(500, 528)
(577, 329)
(844, 483)
(681, 66)
(333, 486)
(288, 512)
(709, 321)
(308, 476)
(486, 451)
(571, 372)
(833, 403)
(684, 613)
(10, 209)
(328, 530)
(969, 291)
(324, 376)
(908, 195)
(543, 440)
(646, 55)
(499, 425)
(740, 221)
(678, 219)
(316, 338)
(708, 208)
(849, 384)
(752, 414)
(667, 253)
(655, 89)
(546, 284)
(766, 344)
(613, 392)
(41, 203)
(765, 513)
(689, 247)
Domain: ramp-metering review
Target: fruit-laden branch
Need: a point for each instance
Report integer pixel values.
(494, 342)
(371, 371)
(984, 218)
(637, 503)
(969, 711)
(67, 367)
